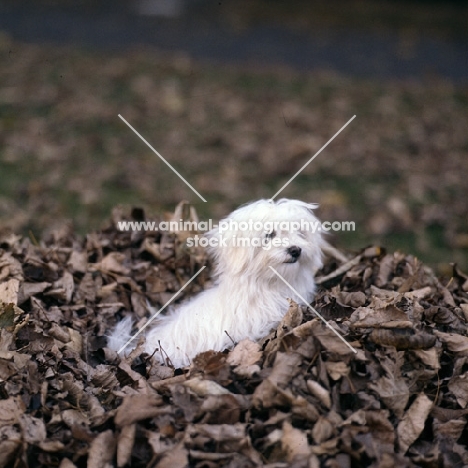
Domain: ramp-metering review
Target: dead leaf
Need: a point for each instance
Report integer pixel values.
(337, 370)
(113, 263)
(9, 291)
(294, 443)
(323, 430)
(351, 299)
(321, 393)
(10, 443)
(175, 457)
(454, 342)
(389, 317)
(402, 339)
(10, 411)
(63, 288)
(412, 423)
(292, 319)
(459, 387)
(205, 387)
(33, 429)
(138, 407)
(78, 261)
(125, 442)
(245, 353)
(102, 450)
(393, 391)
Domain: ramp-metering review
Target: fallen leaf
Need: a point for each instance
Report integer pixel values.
(412, 423)
(102, 450)
(125, 442)
(459, 387)
(294, 443)
(138, 407)
(9, 291)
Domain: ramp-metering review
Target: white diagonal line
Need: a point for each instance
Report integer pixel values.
(162, 159)
(316, 313)
(161, 309)
(313, 157)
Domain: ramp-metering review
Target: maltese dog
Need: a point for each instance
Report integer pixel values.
(248, 298)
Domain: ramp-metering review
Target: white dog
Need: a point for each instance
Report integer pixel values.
(248, 298)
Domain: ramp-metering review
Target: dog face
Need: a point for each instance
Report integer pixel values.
(283, 234)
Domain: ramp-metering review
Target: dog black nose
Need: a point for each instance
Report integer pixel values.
(294, 251)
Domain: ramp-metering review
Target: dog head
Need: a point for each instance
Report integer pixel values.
(284, 235)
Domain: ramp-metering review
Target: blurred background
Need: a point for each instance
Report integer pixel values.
(237, 96)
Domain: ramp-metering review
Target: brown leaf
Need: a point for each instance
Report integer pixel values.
(338, 369)
(454, 342)
(224, 409)
(412, 424)
(329, 340)
(59, 333)
(78, 261)
(292, 319)
(10, 443)
(386, 266)
(294, 443)
(7, 315)
(389, 317)
(66, 463)
(51, 446)
(11, 410)
(177, 456)
(63, 288)
(245, 353)
(244, 357)
(205, 387)
(430, 357)
(459, 387)
(76, 341)
(72, 418)
(125, 442)
(113, 263)
(102, 450)
(452, 429)
(9, 291)
(393, 391)
(323, 430)
(284, 368)
(402, 339)
(33, 429)
(321, 393)
(138, 407)
(351, 299)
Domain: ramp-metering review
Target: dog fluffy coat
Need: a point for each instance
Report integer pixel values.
(248, 299)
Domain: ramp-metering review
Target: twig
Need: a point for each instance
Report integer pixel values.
(229, 336)
(331, 251)
(339, 271)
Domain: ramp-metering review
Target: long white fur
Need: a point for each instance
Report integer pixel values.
(248, 299)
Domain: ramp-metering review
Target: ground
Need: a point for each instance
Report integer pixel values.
(236, 134)
(299, 398)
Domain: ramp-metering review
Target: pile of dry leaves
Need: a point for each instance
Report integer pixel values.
(301, 398)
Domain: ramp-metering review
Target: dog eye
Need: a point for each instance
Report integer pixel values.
(270, 235)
